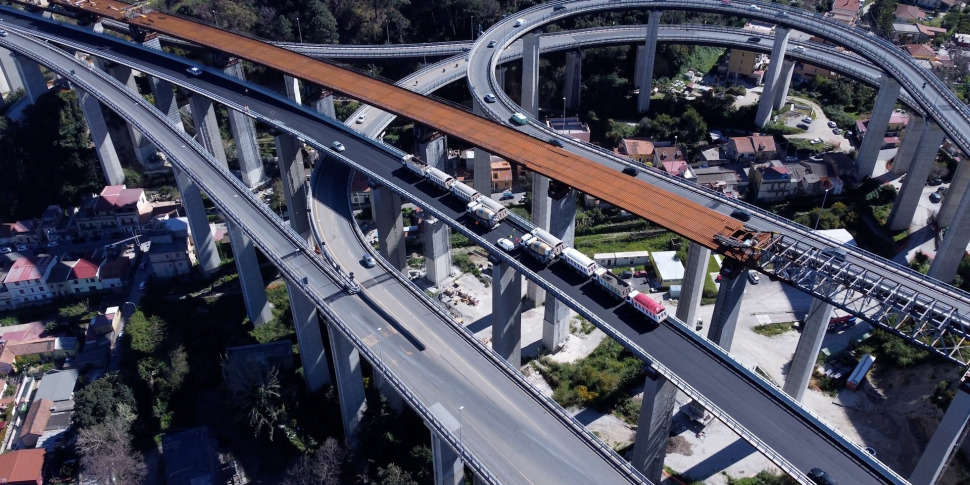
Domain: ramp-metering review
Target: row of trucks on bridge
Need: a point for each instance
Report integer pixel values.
(538, 243)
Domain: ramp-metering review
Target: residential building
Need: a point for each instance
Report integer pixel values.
(275, 354)
(53, 224)
(908, 14)
(27, 279)
(669, 269)
(20, 232)
(640, 150)
(845, 11)
(905, 33)
(894, 130)
(190, 458)
(57, 386)
(32, 339)
(501, 175)
(920, 51)
(115, 211)
(720, 179)
(746, 64)
(114, 269)
(814, 178)
(35, 423)
(935, 4)
(170, 256)
(771, 181)
(104, 324)
(360, 190)
(754, 148)
(571, 126)
(22, 467)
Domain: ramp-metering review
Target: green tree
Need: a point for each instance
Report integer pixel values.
(253, 396)
(394, 475)
(145, 334)
(99, 399)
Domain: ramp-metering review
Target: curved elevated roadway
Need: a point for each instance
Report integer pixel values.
(437, 364)
(793, 435)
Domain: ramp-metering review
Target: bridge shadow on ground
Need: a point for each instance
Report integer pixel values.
(714, 464)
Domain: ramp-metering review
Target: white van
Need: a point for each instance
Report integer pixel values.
(519, 119)
(505, 244)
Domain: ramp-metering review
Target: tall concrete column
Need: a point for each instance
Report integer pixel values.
(784, 82)
(433, 148)
(482, 169)
(140, 143)
(312, 354)
(390, 226)
(205, 244)
(500, 73)
(292, 86)
(948, 436)
(323, 104)
(646, 54)
(954, 244)
(250, 279)
(293, 176)
(574, 78)
(772, 76)
(388, 392)
(878, 123)
(650, 444)
(809, 344)
(541, 204)
(448, 467)
(727, 307)
(162, 90)
(698, 258)
(207, 127)
(244, 134)
(30, 77)
(530, 73)
(10, 71)
(908, 145)
(954, 195)
(562, 224)
(103, 145)
(437, 250)
(350, 383)
(905, 207)
(507, 313)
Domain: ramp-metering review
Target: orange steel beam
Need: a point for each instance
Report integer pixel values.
(671, 211)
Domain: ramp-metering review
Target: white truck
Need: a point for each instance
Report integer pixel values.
(464, 192)
(483, 214)
(609, 282)
(539, 248)
(439, 178)
(579, 261)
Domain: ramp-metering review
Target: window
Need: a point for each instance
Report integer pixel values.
(495, 176)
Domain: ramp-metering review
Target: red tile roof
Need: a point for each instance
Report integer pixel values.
(637, 146)
(22, 467)
(908, 12)
(84, 268)
(28, 269)
(37, 417)
(118, 197)
(919, 50)
(754, 144)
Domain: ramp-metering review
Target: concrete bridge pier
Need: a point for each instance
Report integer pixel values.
(9, 73)
(507, 313)
(698, 257)
(391, 397)
(809, 344)
(437, 250)
(646, 54)
(530, 73)
(572, 85)
(205, 244)
(725, 318)
(784, 83)
(103, 144)
(906, 202)
(292, 86)
(143, 148)
(386, 209)
(954, 196)
(207, 127)
(656, 410)
(500, 73)
(772, 77)
(162, 90)
(954, 244)
(949, 435)
(350, 383)
(908, 145)
(562, 224)
(31, 78)
(250, 278)
(872, 142)
(448, 467)
(322, 103)
(244, 133)
(312, 353)
(293, 176)
(432, 147)
(541, 204)
(482, 170)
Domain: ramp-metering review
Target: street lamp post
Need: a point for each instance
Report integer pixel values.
(471, 27)
(387, 28)
(564, 112)
(459, 427)
(299, 30)
(214, 19)
(380, 350)
(820, 209)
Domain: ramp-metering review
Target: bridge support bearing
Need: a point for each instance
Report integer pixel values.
(948, 436)
(878, 123)
(574, 78)
(448, 467)
(646, 54)
(540, 217)
(725, 318)
(698, 257)
(205, 245)
(555, 321)
(244, 133)
(312, 353)
(292, 86)
(350, 383)
(656, 410)
(10, 80)
(507, 313)
(31, 78)
(250, 279)
(954, 196)
(482, 170)
(954, 244)
(143, 148)
(784, 82)
(390, 226)
(437, 250)
(908, 145)
(908, 199)
(772, 77)
(293, 176)
(103, 144)
(530, 73)
(809, 344)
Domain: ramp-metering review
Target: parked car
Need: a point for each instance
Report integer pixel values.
(21, 247)
(627, 274)
(505, 244)
(941, 190)
(640, 274)
(5, 250)
(802, 126)
(368, 261)
(507, 195)
(753, 277)
(806, 119)
(832, 124)
(142, 285)
(815, 141)
(935, 197)
(837, 131)
(52, 244)
(337, 146)
(935, 182)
